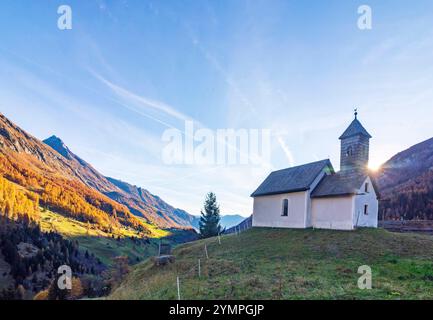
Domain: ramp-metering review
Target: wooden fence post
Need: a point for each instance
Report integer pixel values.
(205, 249)
(178, 289)
(199, 268)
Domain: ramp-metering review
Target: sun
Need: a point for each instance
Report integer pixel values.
(374, 167)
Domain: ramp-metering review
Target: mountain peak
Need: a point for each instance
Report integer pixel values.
(54, 138)
(57, 144)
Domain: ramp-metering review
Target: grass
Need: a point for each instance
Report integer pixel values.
(291, 264)
(101, 243)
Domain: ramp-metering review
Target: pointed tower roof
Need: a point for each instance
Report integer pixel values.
(355, 128)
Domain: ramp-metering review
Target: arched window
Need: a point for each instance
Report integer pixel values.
(285, 210)
(366, 189)
(349, 152)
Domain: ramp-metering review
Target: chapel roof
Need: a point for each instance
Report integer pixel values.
(294, 179)
(355, 128)
(339, 184)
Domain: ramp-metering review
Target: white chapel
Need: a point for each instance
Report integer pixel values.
(314, 195)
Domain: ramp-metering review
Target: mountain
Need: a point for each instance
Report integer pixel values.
(51, 216)
(56, 205)
(281, 264)
(139, 201)
(406, 183)
(33, 175)
(145, 200)
(228, 221)
(244, 225)
(82, 170)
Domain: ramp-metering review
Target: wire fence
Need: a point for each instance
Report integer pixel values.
(198, 266)
(203, 265)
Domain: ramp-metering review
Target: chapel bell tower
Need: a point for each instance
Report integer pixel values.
(355, 143)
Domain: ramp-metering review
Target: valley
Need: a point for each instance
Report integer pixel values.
(58, 204)
(105, 246)
(61, 200)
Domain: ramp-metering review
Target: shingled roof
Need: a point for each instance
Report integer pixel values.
(339, 184)
(293, 179)
(355, 128)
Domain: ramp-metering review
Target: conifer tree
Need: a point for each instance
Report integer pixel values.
(210, 219)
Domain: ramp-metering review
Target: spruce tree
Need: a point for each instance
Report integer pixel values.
(210, 219)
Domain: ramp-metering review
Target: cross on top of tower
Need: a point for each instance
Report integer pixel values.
(356, 113)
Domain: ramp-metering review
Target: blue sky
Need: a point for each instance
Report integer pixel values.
(129, 69)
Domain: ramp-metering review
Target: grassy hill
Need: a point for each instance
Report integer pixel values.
(104, 245)
(291, 264)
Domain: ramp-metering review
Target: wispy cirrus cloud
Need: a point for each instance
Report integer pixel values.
(286, 150)
(141, 104)
(141, 101)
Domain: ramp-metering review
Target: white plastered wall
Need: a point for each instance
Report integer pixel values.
(308, 217)
(333, 212)
(370, 198)
(268, 210)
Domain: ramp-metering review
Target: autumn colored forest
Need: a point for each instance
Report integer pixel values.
(23, 191)
(24, 194)
(55, 210)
